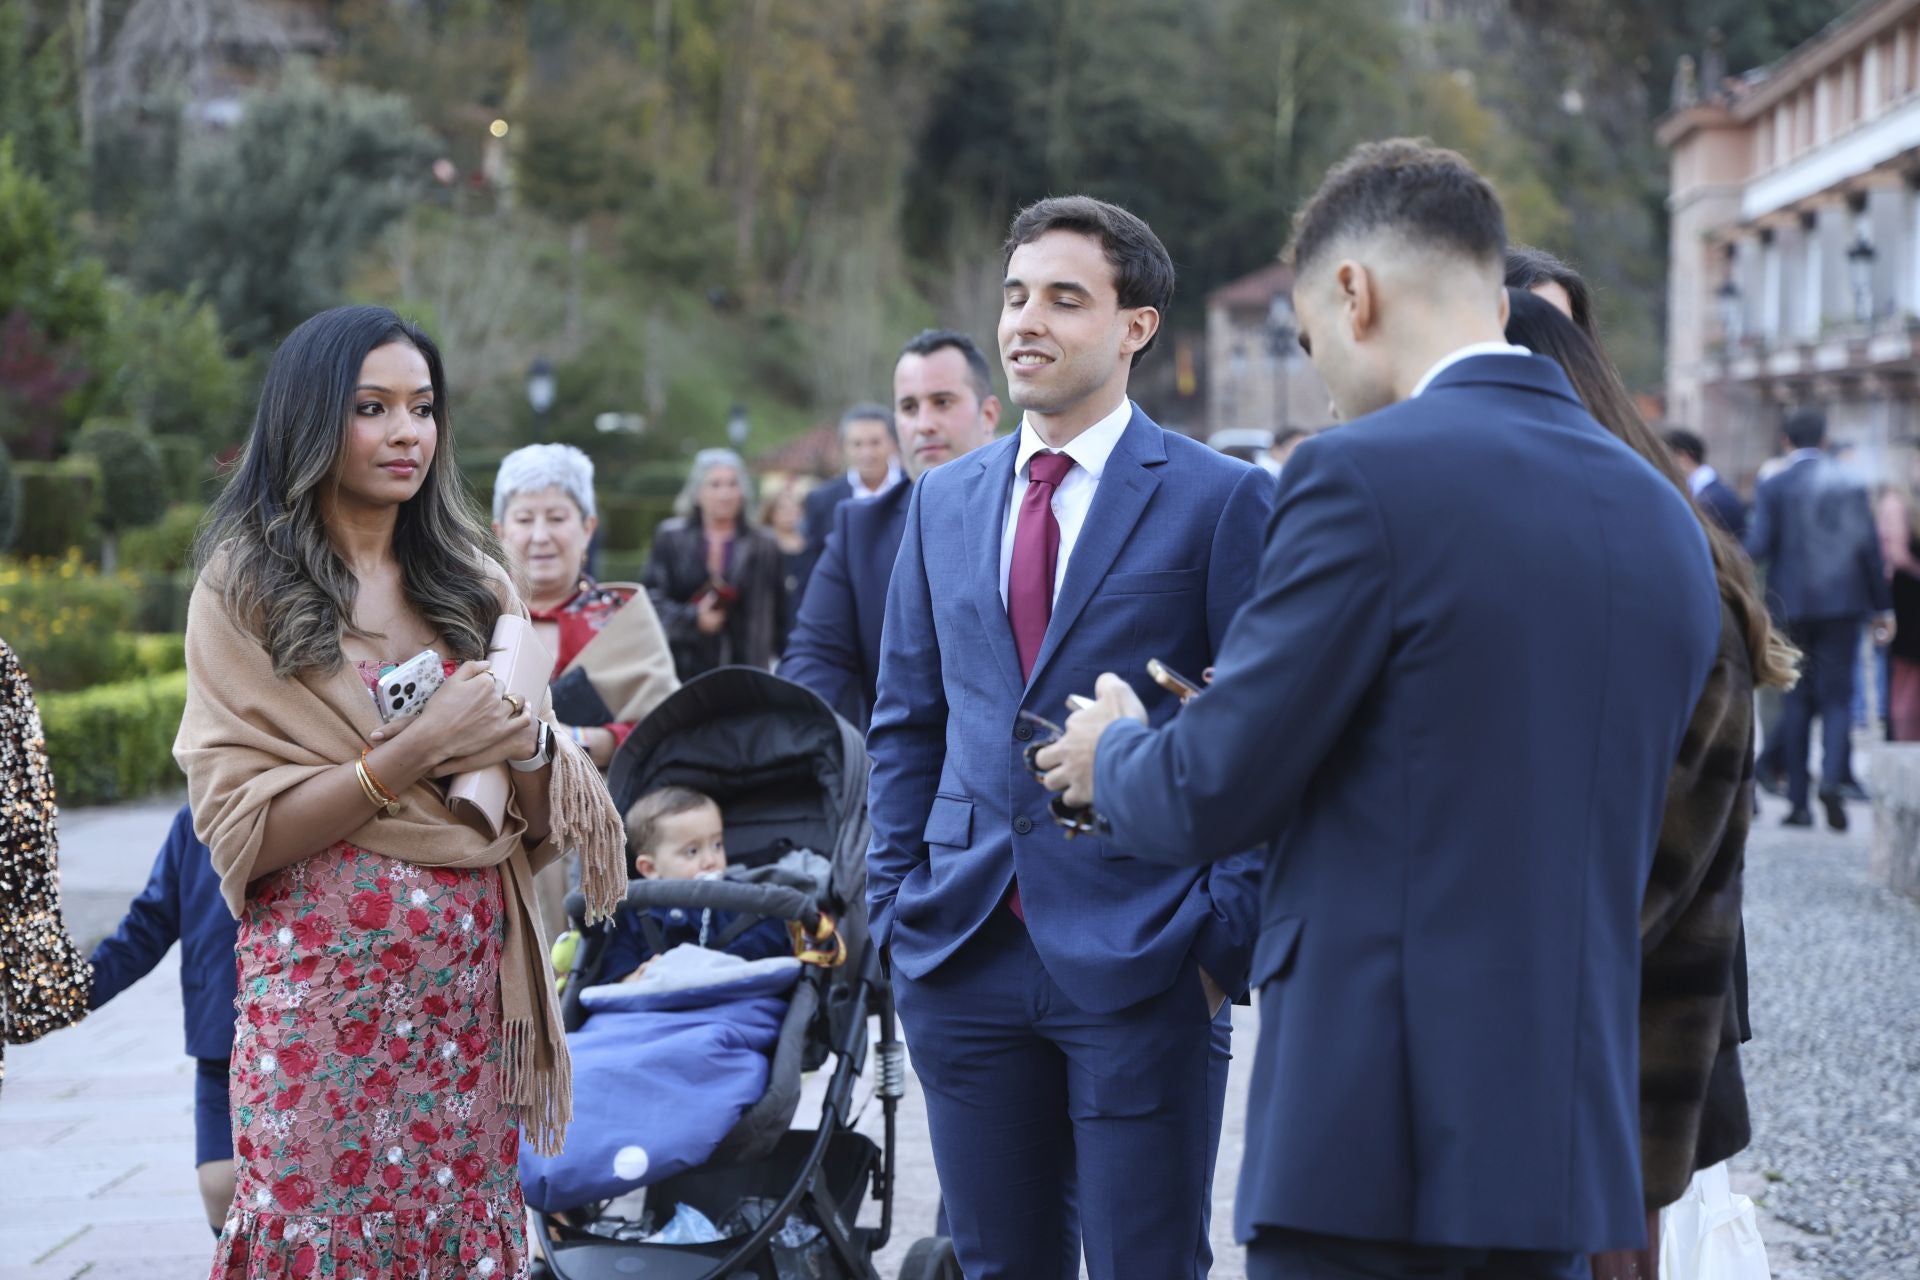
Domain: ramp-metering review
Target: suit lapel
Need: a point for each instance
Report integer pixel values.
(1126, 486)
(984, 518)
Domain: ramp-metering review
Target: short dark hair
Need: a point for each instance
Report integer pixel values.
(867, 411)
(1142, 268)
(1528, 268)
(643, 820)
(1427, 193)
(1806, 428)
(1681, 440)
(928, 341)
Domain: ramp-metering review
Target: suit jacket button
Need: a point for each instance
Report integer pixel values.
(1022, 825)
(1023, 731)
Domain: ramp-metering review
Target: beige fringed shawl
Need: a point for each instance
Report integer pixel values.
(248, 737)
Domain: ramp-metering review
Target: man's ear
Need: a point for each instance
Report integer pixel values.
(990, 414)
(1354, 286)
(1141, 326)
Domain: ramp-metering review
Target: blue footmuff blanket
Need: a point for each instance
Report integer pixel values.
(663, 1068)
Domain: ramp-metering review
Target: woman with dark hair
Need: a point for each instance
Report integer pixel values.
(397, 1025)
(1540, 273)
(1693, 1017)
(715, 577)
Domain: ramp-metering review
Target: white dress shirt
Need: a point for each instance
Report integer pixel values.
(1466, 353)
(860, 491)
(1073, 497)
(1703, 475)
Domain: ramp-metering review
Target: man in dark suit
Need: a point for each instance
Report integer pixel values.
(1715, 496)
(1480, 628)
(872, 452)
(1065, 1012)
(944, 406)
(1813, 530)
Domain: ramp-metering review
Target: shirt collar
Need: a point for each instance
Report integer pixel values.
(1801, 455)
(1703, 475)
(860, 490)
(1465, 353)
(1089, 450)
(586, 584)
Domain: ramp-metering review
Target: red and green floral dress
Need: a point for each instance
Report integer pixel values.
(370, 1135)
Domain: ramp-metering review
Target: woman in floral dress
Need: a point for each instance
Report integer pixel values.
(396, 1033)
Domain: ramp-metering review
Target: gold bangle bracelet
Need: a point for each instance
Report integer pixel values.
(376, 790)
(366, 787)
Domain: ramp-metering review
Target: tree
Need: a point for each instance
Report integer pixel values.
(133, 490)
(270, 219)
(168, 370)
(37, 107)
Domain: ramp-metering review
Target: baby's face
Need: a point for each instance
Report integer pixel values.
(690, 845)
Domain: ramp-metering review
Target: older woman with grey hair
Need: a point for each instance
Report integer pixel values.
(715, 578)
(611, 663)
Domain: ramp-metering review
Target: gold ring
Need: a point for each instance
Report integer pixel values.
(515, 701)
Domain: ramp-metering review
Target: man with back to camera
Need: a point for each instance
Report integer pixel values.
(1064, 1004)
(873, 468)
(1715, 496)
(1451, 708)
(944, 406)
(1812, 528)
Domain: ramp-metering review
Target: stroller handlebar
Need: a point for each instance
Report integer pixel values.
(771, 900)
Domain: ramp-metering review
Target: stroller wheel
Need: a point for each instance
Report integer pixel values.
(931, 1259)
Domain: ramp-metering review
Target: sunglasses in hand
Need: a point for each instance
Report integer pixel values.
(1075, 822)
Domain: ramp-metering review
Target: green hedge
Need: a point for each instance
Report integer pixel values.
(165, 546)
(627, 524)
(56, 506)
(187, 465)
(162, 604)
(158, 654)
(623, 566)
(115, 741)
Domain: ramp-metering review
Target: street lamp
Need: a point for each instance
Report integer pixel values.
(540, 392)
(737, 426)
(1731, 312)
(1860, 259)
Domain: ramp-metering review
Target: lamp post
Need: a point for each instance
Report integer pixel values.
(1731, 312)
(1281, 334)
(1860, 259)
(540, 390)
(737, 426)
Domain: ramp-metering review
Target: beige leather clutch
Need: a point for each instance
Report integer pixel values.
(521, 666)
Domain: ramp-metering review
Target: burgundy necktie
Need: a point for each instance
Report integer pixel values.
(1036, 557)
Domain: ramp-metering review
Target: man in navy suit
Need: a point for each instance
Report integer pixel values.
(1715, 496)
(1813, 529)
(873, 469)
(182, 903)
(1063, 1002)
(1480, 628)
(944, 406)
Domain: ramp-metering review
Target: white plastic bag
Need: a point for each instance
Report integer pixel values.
(1711, 1234)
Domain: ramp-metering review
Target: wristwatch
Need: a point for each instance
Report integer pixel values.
(542, 752)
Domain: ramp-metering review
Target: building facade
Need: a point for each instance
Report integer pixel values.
(1794, 259)
(1257, 375)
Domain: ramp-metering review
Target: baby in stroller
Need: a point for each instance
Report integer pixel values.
(677, 833)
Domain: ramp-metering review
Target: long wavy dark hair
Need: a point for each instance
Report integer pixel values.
(1538, 325)
(266, 538)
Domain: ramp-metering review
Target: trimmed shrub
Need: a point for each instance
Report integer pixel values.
(165, 546)
(156, 654)
(188, 467)
(56, 505)
(623, 566)
(627, 524)
(9, 499)
(66, 620)
(162, 602)
(114, 742)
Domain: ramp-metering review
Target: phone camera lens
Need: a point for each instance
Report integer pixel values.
(410, 688)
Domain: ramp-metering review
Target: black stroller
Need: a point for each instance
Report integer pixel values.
(788, 774)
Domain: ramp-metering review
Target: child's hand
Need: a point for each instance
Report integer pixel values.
(635, 975)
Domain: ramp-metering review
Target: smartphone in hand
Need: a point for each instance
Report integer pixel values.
(403, 691)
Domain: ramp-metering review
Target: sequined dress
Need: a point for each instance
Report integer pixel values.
(43, 977)
(370, 1135)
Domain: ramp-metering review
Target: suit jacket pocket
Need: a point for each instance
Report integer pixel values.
(1153, 582)
(1273, 953)
(949, 822)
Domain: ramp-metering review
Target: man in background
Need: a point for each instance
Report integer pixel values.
(945, 406)
(1715, 496)
(872, 453)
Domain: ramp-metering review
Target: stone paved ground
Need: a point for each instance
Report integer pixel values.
(96, 1129)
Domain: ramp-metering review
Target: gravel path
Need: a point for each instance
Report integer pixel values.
(1833, 1071)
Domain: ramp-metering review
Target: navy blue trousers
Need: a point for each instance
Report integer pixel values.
(1278, 1254)
(1056, 1129)
(1832, 647)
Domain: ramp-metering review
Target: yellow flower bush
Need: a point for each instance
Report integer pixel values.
(68, 622)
